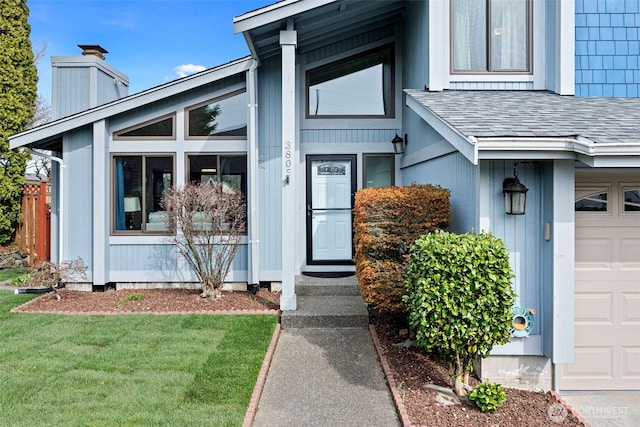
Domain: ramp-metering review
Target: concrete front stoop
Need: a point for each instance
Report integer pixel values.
(327, 303)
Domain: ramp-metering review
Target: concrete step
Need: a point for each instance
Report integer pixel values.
(314, 286)
(336, 311)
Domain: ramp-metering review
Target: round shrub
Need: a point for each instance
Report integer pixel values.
(459, 298)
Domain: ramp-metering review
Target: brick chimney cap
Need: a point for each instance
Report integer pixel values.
(93, 49)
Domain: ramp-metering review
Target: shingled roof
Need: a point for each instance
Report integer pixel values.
(534, 114)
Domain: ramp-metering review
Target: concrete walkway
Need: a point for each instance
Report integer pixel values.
(606, 408)
(325, 377)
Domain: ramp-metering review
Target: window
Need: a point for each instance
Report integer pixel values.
(491, 36)
(139, 183)
(591, 200)
(224, 117)
(162, 128)
(631, 199)
(379, 170)
(228, 169)
(358, 86)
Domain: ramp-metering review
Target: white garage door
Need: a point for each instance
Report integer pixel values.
(607, 284)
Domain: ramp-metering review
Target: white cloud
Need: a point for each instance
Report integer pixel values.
(186, 69)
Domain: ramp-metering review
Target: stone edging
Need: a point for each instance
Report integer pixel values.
(20, 309)
(566, 404)
(262, 378)
(397, 399)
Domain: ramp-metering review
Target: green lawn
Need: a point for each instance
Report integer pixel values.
(11, 273)
(127, 370)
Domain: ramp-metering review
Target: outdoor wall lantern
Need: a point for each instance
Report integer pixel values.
(515, 194)
(399, 143)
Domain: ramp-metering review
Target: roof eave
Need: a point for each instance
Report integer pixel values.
(274, 13)
(57, 127)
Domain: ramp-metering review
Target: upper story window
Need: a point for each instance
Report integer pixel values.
(358, 86)
(162, 128)
(491, 36)
(224, 117)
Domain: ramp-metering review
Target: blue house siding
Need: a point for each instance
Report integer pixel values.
(270, 168)
(607, 48)
(523, 234)
(78, 196)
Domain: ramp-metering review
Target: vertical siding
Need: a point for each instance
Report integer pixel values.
(415, 55)
(491, 86)
(607, 48)
(269, 163)
(347, 136)
(547, 261)
(523, 234)
(78, 195)
(72, 88)
(161, 262)
(460, 178)
(109, 89)
(349, 44)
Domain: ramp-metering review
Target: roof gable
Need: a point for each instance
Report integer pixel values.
(55, 128)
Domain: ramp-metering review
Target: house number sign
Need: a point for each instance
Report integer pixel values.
(287, 161)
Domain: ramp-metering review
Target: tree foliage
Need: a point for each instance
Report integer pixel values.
(18, 89)
(207, 222)
(460, 298)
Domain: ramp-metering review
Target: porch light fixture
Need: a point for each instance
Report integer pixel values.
(515, 194)
(399, 143)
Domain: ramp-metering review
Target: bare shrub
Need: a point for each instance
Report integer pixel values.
(207, 222)
(51, 275)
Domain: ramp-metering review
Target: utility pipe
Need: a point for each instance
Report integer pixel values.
(60, 197)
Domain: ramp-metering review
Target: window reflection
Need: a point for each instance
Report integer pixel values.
(361, 85)
(221, 118)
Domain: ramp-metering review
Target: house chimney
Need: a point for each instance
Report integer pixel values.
(82, 82)
(93, 50)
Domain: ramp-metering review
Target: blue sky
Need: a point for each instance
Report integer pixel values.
(151, 41)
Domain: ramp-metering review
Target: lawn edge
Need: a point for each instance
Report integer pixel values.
(391, 381)
(262, 378)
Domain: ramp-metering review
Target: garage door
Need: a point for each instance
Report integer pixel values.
(607, 284)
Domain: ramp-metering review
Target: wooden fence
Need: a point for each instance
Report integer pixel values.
(34, 232)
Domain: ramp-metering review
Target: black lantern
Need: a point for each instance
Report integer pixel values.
(515, 194)
(399, 143)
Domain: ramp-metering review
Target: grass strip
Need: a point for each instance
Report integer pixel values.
(190, 370)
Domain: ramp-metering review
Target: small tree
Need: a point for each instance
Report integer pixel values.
(208, 221)
(460, 298)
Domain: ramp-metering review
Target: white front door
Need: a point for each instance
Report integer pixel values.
(330, 188)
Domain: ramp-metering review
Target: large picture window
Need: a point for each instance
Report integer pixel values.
(139, 183)
(230, 170)
(491, 36)
(224, 117)
(358, 86)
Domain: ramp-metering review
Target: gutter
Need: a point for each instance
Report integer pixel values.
(60, 197)
(577, 144)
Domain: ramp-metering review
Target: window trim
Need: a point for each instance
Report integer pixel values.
(489, 71)
(347, 57)
(218, 154)
(188, 109)
(117, 135)
(595, 188)
(626, 186)
(112, 212)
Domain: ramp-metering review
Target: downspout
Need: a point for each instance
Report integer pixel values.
(254, 237)
(60, 197)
